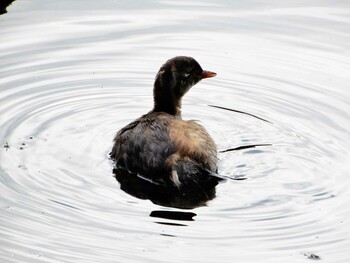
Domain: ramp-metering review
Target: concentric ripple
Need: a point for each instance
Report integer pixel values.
(71, 76)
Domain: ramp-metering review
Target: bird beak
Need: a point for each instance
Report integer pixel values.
(207, 74)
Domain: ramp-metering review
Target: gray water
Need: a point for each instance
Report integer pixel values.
(74, 72)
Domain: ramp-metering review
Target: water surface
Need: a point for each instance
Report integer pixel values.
(73, 73)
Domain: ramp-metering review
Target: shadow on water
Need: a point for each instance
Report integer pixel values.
(187, 198)
(3, 5)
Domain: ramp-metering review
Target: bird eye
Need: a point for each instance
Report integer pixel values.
(185, 78)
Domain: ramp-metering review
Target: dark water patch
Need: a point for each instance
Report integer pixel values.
(6, 146)
(311, 256)
(170, 224)
(174, 215)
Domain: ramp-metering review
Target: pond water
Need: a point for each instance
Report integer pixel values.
(72, 73)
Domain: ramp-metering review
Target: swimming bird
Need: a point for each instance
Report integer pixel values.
(160, 146)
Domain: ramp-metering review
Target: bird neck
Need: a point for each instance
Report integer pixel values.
(167, 105)
(165, 101)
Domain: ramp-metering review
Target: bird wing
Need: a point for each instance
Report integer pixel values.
(143, 145)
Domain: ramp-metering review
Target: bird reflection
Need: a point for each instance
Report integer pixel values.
(174, 215)
(142, 188)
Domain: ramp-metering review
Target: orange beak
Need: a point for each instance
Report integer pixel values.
(207, 74)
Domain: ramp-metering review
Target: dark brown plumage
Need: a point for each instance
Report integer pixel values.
(160, 146)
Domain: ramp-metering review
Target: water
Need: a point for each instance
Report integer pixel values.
(73, 73)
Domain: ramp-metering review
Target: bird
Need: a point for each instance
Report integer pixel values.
(160, 146)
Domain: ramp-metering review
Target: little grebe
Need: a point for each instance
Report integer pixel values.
(160, 146)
